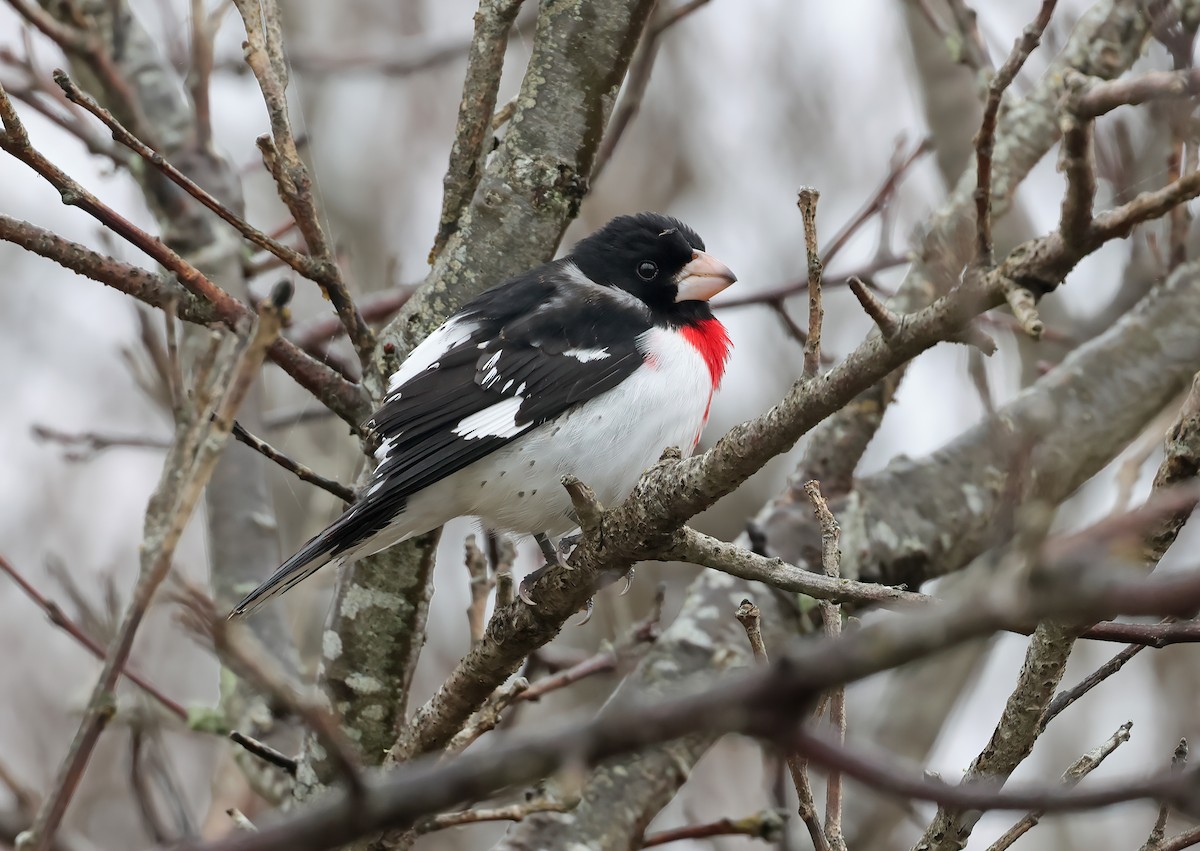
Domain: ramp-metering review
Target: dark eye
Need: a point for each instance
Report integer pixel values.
(647, 271)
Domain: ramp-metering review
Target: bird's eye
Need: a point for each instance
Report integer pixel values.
(647, 271)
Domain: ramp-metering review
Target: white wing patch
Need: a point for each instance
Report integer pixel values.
(491, 374)
(587, 355)
(385, 448)
(499, 420)
(453, 333)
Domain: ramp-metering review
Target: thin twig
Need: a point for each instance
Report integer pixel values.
(1078, 770)
(323, 270)
(767, 825)
(264, 53)
(487, 716)
(348, 400)
(636, 82)
(831, 617)
(985, 139)
(607, 659)
(513, 812)
(1183, 840)
(1075, 162)
(1158, 833)
(473, 132)
(240, 821)
(265, 752)
(697, 548)
(886, 320)
(204, 30)
(303, 473)
(750, 618)
(81, 446)
(807, 202)
(59, 618)
(878, 202)
(376, 307)
(241, 651)
(866, 272)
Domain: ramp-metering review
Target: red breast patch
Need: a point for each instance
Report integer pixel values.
(711, 340)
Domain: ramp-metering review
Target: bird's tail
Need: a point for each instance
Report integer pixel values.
(314, 555)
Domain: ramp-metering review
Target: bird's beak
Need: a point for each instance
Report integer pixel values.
(703, 278)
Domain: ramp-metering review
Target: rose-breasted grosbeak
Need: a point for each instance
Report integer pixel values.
(590, 365)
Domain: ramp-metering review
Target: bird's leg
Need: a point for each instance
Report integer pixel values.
(548, 549)
(552, 560)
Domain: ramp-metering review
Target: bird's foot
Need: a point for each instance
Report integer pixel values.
(555, 557)
(567, 544)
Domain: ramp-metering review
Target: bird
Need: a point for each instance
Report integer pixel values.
(590, 365)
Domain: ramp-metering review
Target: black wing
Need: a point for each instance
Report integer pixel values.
(537, 347)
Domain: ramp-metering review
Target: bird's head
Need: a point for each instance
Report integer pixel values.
(659, 260)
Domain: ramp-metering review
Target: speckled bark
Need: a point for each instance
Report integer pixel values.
(1014, 736)
(1181, 463)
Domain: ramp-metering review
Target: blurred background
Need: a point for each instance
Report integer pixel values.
(748, 101)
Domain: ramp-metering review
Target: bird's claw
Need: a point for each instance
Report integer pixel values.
(530, 580)
(588, 607)
(628, 582)
(523, 592)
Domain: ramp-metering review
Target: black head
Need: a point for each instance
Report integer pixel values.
(658, 259)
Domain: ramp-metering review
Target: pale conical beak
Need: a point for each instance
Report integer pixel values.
(703, 278)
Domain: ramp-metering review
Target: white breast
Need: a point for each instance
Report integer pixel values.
(606, 442)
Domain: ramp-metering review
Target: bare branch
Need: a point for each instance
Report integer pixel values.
(1076, 772)
(264, 752)
(345, 398)
(513, 812)
(697, 548)
(472, 135)
(637, 81)
(985, 140)
(887, 321)
(59, 618)
(750, 618)
(300, 471)
(1158, 832)
(264, 54)
(1101, 97)
(767, 825)
(186, 471)
(831, 618)
(816, 313)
